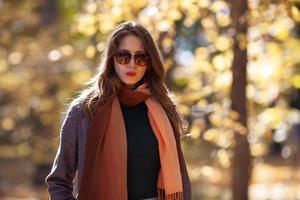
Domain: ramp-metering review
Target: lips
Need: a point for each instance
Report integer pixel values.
(130, 73)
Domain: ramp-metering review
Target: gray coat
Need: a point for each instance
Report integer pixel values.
(64, 179)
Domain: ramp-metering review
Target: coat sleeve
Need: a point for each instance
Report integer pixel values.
(60, 180)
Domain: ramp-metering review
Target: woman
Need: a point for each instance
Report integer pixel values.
(122, 135)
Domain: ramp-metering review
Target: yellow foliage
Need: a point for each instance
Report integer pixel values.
(67, 50)
(174, 14)
(164, 25)
(82, 76)
(219, 62)
(8, 123)
(281, 28)
(296, 81)
(234, 115)
(211, 135)
(207, 171)
(216, 119)
(208, 23)
(62, 95)
(237, 126)
(202, 103)
(195, 132)
(223, 158)
(39, 86)
(15, 58)
(105, 24)
(201, 65)
(223, 43)
(16, 151)
(206, 90)
(91, 7)
(191, 97)
(3, 65)
(295, 13)
(272, 116)
(211, 173)
(46, 118)
(223, 20)
(219, 5)
(167, 43)
(185, 110)
(203, 3)
(86, 24)
(223, 82)
(22, 111)
(201, 53)
(198, 126)
(274, 49)
(90, 51)
(46, 105)
(258, 149)
(11, 80)
(194, 84)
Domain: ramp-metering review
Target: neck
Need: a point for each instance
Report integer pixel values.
(132, 97)
(132, 87)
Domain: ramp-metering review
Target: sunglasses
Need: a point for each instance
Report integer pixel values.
(123, 57)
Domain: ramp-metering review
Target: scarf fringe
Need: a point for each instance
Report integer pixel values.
(173, 196)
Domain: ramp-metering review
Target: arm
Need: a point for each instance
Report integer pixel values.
(60, 179)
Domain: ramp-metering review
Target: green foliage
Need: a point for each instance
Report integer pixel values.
(69, 9)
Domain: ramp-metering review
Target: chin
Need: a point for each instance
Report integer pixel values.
(127, 83)
(130, 82)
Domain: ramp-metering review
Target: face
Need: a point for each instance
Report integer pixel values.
(130, 74)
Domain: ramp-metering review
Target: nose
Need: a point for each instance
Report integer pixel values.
(131, 62)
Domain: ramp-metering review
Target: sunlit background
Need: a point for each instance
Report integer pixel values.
(50, 48)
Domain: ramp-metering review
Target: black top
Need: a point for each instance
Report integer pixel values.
(143, 162)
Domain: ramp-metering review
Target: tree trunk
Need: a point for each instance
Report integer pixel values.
(241, 163)
(49, 12)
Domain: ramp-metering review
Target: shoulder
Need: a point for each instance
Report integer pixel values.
(73, 115)
(71, 124)
(76, 109)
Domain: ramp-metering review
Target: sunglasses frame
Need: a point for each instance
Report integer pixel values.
(132, 55)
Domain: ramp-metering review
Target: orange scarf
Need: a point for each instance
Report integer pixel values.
(105, 166)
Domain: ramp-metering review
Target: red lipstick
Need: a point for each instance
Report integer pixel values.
(130, 73)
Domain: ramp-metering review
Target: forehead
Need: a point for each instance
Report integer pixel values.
(131, 43)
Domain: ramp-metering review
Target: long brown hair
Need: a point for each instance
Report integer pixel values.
(105, 84)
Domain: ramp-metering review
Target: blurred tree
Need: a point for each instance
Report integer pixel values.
(241, 164)
(50, 12)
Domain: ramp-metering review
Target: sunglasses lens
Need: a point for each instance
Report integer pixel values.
(123, 57)
(141, 59)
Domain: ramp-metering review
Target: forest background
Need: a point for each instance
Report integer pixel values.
(233, 67)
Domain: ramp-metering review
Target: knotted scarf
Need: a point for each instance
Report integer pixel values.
(105, 165)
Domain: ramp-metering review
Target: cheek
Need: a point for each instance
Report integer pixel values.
(141, 72)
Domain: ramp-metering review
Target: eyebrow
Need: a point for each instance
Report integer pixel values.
(139, 51)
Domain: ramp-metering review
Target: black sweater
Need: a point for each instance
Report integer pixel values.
(143, 155)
